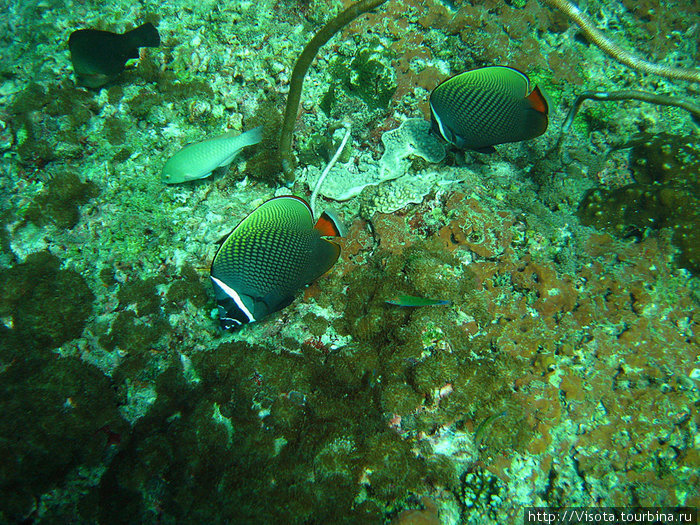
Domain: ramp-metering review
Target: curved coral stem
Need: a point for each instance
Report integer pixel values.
(301, 67)
(320, 180)
(597, 37)
(644, 96)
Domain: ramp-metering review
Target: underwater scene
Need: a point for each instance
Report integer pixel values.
(414, 262)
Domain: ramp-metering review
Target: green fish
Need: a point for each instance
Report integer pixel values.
(268, 257)
(411, 300)
(488, 106)
(99, 56)
(199, 159)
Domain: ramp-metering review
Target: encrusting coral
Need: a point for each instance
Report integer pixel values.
(559, 368)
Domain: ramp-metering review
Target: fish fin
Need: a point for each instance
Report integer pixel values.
(242, 140)
(486, 149)
(228, 160)
(254, 135)
(536, 119)
(330, 225)
(335, 252)
(272, 302)
(326, 255)
(145, 35)
(538, 101)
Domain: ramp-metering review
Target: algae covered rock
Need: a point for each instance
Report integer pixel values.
(59, 204)
(59, 415)
(666, 195)
(48, 306)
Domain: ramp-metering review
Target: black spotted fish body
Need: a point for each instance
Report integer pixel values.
(268, 257)
(488, 106)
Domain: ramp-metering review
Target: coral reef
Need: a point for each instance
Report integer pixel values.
(563, 371)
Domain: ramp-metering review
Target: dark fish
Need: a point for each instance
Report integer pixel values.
(268, 257)
(487, 106)
(99, 56)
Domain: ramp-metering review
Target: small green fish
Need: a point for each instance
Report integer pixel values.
(410, 300)
(199, 159)
(480, 431)
(99, 56)
(268, 257)
(487, 106)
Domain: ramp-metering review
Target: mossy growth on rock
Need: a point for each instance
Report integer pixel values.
(48, 122)
(264, 162)
(367, 76)
(58, 415)
(133, 335)
(142, 294)
(664, 158)
(60, 203)
(666, 195)
(228, 468)
(143, 103)
(189, 287)
(57, 100)
(115, 131)
(48, 306)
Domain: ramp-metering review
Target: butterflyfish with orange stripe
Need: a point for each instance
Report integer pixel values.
(484, 107)
(272, 253)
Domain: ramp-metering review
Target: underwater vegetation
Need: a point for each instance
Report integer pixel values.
(666, 194)
(498, 330)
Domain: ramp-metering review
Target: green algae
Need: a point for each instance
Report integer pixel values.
(265, 163)
(60, 412)
(188, 287)
(143, 103)
(60, 203)
(48, 306)
(115, 94)
(666, 195)
(132, 334)
(122, 156)
(664, 158)
(141, 293)
(367, 76)
(48, 122)
(115, 131)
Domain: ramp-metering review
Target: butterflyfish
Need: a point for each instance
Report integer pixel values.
(199, 159)
(99, 56)
(269, 257)
(484, 107)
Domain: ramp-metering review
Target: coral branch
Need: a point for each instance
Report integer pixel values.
(320, 180)
(628, 94)
(300, 69)
(597, 37)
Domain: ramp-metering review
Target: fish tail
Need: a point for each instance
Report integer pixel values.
(330, 225)
(146, 35)
(252, 136)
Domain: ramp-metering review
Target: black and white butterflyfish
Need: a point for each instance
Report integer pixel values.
(484, 107)
(272, 253)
